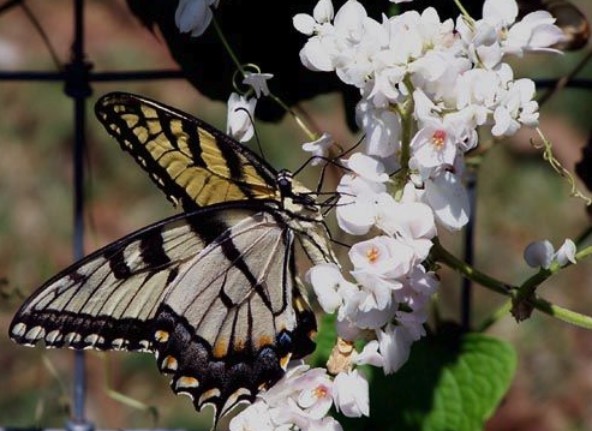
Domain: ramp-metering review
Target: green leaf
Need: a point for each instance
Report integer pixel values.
(326, 338)
(451, 382)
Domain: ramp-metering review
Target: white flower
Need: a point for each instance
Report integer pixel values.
(254, 417)
(194, 16)
(316, 55)
(329, 285)
(376, 295)
(301, 398)
(566, 253)
(381, 126)
(258, 81)
(318, 148)
(477, 87)
(542, 254)
(413, 322)
(361, 310)
(318, 52)
(434, 145)
(322, 14)
(367, 168)
(395, 347)
(361, 192)
(539, 253)
(409, 220)
(500, 13)
(351, 395)
(359, 39)
(535, 32)
(326, 424)
(356, 214)
(240, 117)
(516, 107)
(384, 90)
(423, 282)
(369, 355)
(382, 256)
(448, 198)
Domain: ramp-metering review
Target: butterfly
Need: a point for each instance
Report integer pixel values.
(212, 292)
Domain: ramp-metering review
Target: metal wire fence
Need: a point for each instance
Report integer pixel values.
(77, 78)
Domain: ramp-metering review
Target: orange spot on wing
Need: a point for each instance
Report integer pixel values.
(220, 348)
(263, 341)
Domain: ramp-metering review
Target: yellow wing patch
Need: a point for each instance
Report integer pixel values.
(193, 163)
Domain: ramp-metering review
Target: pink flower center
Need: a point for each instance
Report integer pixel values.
(320, 392)
(372, 254)
(439, 138)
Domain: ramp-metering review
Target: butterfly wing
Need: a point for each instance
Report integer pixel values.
(211, 293)
(192, 162)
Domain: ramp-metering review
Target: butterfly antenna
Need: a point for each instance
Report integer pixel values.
(334, 162)
(333, 240)
(342, 244)
(349, 150)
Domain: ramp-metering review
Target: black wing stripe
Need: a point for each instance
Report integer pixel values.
(194, 145)
(152, 251)
(119, 266)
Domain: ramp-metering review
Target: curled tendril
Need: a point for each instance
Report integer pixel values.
(549, 157)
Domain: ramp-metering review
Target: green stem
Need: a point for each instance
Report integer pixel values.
(462, 9)
(307, 130)
(444, 256)
(227, 47)
(497, 315)
(563, 314)
(583, 253)
(524, 293)
(301, 123)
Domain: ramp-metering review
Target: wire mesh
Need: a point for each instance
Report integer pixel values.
(76, 76)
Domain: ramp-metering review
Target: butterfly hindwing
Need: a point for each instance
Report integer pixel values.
(192, 162)
(212, 293)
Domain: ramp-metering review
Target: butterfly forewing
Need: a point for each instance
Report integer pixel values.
(192, 162)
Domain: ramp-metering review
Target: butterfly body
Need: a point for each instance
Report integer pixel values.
(212, 292)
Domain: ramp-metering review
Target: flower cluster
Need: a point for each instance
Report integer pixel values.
(426, 86)
(303, 398)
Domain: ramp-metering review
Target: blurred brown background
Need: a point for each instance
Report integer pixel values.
(520, 200)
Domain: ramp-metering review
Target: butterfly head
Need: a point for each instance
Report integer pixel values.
(294, 193)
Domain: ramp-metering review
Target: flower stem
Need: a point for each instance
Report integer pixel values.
(227, 46)
(525, 293)
(462, 9)
(568, 316)
(498, 314)
(299, 120)
(444, 256)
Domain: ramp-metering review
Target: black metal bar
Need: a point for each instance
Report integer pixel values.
(77, 87)
(469, 249)
(93, 77)
(9, 5)
(136, 75)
